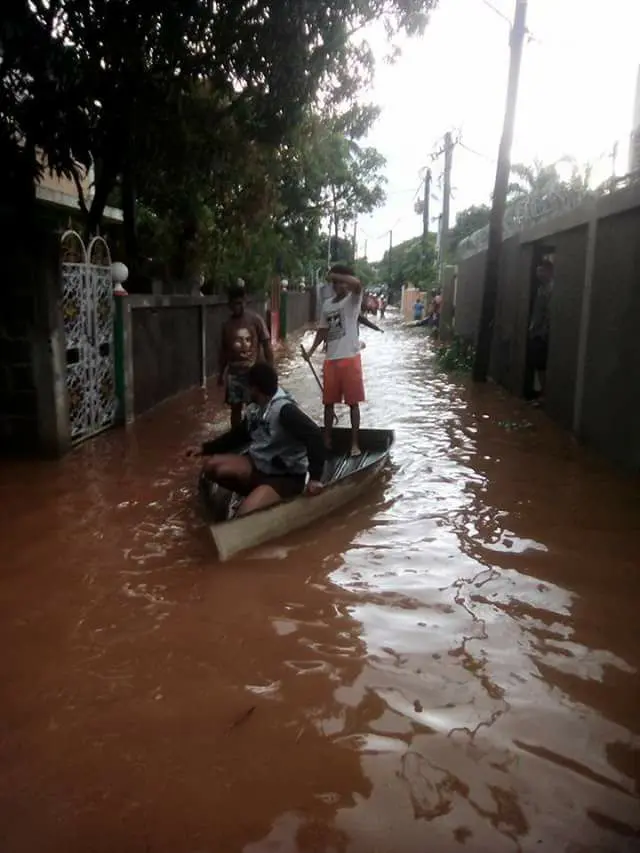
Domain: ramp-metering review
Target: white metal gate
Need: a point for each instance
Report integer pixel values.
(88, 312)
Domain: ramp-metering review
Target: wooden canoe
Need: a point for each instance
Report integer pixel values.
(346, 478)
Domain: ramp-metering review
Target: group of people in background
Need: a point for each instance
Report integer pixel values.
(375, 304)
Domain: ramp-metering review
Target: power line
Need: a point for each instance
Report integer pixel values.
(477, 153)
(497, 11)
(500, 14)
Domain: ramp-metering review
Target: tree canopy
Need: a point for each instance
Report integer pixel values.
(468, 221)
(407, 265)
(229, 127)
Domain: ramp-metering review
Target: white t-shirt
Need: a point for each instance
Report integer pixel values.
(341, 319)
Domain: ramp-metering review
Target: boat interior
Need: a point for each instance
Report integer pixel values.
(374, 444)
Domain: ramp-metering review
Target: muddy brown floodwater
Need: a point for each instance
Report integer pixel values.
(450, 665)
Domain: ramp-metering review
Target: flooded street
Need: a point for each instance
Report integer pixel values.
(451, 664)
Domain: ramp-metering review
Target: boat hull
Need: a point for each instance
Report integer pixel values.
(344, 486)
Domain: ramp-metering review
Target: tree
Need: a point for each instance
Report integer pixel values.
(192, 111)
(536, 180)
(541, 182)
(368, 273)
(468, 221)
(407, 267)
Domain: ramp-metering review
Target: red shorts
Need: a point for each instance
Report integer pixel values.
(343, 381)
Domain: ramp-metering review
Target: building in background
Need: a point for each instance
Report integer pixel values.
(634, 147)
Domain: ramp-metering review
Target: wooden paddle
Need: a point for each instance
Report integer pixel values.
(306, 357)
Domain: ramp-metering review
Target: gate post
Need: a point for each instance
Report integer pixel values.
(48, 353)
(202, 316)
(284, 301)
(123, 359)
(275, 310)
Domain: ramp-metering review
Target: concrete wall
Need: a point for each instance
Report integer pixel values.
(507, 342)
(215, 315)
(611, 407)
(570, 251)
(300, 310)
(593, 373)
(469, 296)
(172, 343)
(166, 347)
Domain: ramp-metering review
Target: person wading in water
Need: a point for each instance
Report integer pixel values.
(284, 447)
(244, 341)
(343, 379)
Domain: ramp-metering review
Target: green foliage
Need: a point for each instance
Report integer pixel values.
(367, 273)
(232, 125)
(409, 265)
(468, 221)
(456, 356)
(535, 189)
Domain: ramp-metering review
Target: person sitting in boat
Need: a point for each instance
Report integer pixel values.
(284, 447)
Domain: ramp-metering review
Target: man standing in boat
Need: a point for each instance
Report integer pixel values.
(284, 446)
(244, 341)
(328, 292)
(343, 378)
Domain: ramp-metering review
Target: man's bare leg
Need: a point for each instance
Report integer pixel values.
(329, 414)
(354, 412)
(229, 470)
(260, 498)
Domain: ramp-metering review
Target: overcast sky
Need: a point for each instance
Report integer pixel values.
(576, 97)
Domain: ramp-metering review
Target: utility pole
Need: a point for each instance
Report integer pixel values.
(390, 249)
(425, 222)
(366, 243)
(439, 243)
(496, 222)
(446, 205)
(355, 241)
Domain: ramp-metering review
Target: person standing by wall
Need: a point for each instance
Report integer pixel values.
(418, 310)
(244, 341)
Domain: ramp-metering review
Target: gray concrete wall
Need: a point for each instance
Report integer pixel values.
(611, 409)
(469, 296)
(593, 374)
(299, 310)
(566, 311)
(505, 338)
(215, 315)
(172, 343)
(166, 353)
